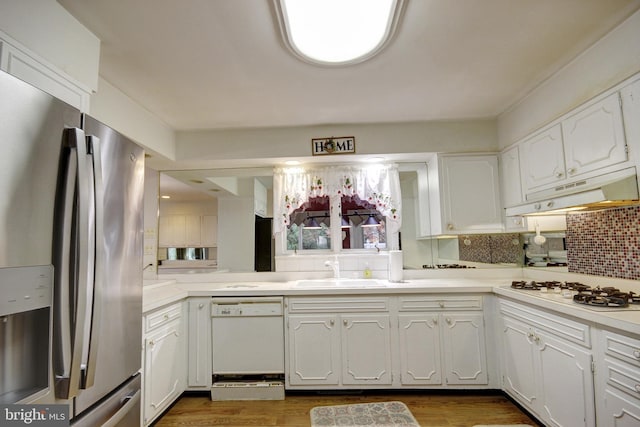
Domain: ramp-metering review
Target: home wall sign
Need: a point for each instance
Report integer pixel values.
(340, 145)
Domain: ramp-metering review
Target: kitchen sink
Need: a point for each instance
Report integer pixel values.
(340, 283)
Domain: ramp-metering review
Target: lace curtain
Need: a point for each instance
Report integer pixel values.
(377, 184)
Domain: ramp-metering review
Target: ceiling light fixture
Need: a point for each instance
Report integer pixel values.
(337, 32)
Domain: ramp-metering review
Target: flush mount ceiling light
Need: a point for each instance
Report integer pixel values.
(337, 32)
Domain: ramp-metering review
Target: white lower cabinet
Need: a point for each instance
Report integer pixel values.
(339, 349)
(440, 346)
(385, 342)
(618, 391)
(547, 365)
(199, 345)
(164, 360)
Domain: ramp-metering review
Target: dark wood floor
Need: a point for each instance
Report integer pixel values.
(430, 409)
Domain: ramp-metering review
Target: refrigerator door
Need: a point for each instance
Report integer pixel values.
(31, 130)
(113, 353)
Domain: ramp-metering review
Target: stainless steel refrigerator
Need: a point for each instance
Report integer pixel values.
(71, 239)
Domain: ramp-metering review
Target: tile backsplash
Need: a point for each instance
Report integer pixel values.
(605, 243)
(490, 248)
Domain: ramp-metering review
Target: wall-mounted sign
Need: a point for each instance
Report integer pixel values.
(340, 145)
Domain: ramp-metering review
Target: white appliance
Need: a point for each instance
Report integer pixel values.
(248, 348)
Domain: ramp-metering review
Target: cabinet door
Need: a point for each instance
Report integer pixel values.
(314, 350)
(463, 344)
(619, 410)
(163, 367)
(470, 194)
(199, 349)
(518, 366)
(419, 336)
(566, 382)
(172, 231)
(366, 349)
(594, 137)
(192, 227)
(510, 177)
(542, 159)
(209, 232)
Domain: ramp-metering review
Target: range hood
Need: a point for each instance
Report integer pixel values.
(618, 188)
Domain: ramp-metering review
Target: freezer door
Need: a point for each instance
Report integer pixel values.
(116, 331)
(31, 132)
(120, 409)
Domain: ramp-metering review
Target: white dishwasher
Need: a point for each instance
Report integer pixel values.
(248, 344)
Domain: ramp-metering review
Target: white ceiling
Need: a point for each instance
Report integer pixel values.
(207, 64)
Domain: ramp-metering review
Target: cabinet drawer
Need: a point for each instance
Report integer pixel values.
(563, 327)
(162, 316)
(440, 302)
(621, 347)
(623, 377)
(337, 305)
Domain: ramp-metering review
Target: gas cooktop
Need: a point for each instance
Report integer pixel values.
(599, 299)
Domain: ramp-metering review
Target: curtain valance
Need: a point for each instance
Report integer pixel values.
(376, 184)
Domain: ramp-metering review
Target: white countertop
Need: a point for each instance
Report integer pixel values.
(158, 293)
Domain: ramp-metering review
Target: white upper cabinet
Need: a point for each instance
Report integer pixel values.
(543, 159)
(464, 194)
(510, 177)
(588, 142)
(594, 137)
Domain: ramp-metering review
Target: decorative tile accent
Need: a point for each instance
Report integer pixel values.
(490, 248)
(605, 243)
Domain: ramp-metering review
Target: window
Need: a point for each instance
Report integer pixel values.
(361, 204)
(337, 31)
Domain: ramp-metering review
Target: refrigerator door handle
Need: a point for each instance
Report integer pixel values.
(76, 296)
(90, 339)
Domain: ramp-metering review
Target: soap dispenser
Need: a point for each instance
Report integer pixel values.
(367, 271)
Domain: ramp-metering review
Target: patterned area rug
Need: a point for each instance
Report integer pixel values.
(378, 414)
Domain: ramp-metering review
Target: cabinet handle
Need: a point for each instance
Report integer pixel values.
(448, 320)
(450, 226)
(550, 204)
(559, 175)
(332, 322)
(166, 317)
(344, 322)
(152, 343)
(636, 354)
(530, 335)
(441, 304)
(571, 171)
(435, 321)
(200, 306)
(637, 387)
(536, 339)
(537, 206)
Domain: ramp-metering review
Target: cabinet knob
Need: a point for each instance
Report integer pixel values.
(448, 320)
(441, 304)
(550, 203)
(450, 226)
(200, 306)
(571, 171)
(636, 354)
(166, 316)
(344, 322)
(152, 343)
(559, 175)
(537, 206)
(637, 387)
(435, 321)
(332, 322)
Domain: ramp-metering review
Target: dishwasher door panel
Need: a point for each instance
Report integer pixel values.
(249, 345)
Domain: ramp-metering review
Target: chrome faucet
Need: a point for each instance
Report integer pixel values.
(335, 266)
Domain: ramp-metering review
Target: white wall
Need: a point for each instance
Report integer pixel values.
(47, 29)
(150, 256)
(609, 61)
(216, 148)
(115, 109)
(189, 208)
